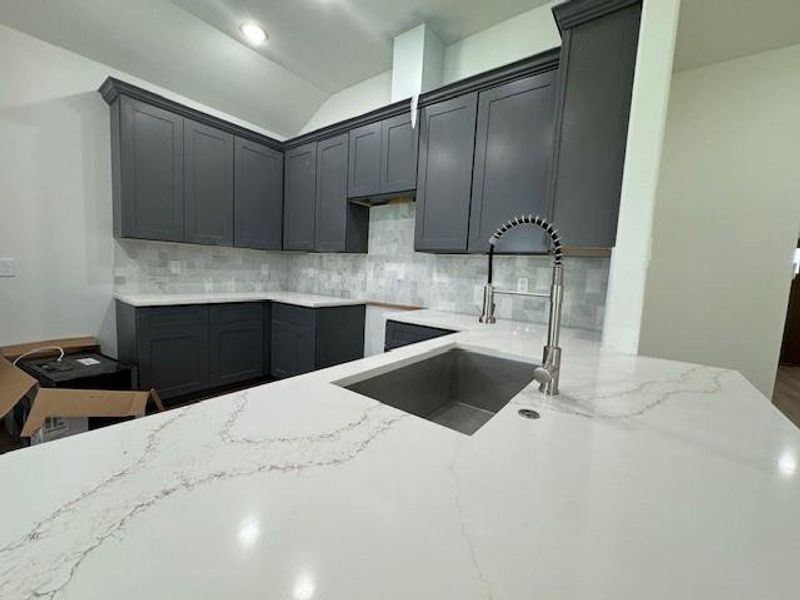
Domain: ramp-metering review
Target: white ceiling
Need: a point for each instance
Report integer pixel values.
(161, 43)
(712, 31)
(193, 48)
(337, 43)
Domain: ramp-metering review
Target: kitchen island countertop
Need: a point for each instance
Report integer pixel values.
(645, 478)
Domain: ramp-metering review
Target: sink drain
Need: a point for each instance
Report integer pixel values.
(528, 413)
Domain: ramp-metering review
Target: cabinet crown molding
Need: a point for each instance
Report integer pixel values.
(112, 88)
(577, 12)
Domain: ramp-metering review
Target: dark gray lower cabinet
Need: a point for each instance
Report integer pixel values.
(236, 347)
(300, 188)
(208, 184)
(513, 154)
(267, 320)
(444, 175)
(180, 350)
(293, 344)
(304, 339)
(258, 196)
(402, 334)
(169, 345)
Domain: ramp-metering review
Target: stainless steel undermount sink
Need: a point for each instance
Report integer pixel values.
(459, 389)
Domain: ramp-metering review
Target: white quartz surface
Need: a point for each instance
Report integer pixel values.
(295, 298)
(646, 479)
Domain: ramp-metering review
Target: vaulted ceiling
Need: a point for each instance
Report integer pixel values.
(316, 47)
(337, 43)
(193, 47)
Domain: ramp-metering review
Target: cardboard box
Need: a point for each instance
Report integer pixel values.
(68, 410)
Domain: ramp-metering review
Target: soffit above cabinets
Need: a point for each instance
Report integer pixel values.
(336, 43)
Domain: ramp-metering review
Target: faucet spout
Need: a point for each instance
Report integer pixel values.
(548, 374)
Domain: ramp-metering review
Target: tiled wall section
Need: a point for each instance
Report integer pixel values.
(390, 272)
(141, 266)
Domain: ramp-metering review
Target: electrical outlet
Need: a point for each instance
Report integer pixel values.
(522, 284)
(175, 267)
(7, 267)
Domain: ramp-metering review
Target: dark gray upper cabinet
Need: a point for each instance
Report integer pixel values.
(398, 155)
(147, 171)
(444, 176)
(383, 158)
(331, 213)
(598, 57)
(236, 348)
(208, 185)
(365, 158)
(513, 154)
(299, 197)
(340, 226)
(258, 196)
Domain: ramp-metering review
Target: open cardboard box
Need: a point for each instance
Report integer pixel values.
(16, 384)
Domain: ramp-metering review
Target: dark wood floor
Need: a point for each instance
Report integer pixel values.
(787, 393)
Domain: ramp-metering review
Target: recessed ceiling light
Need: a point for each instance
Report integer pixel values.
(253, 32)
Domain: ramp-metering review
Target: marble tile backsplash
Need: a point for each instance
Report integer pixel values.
(390, 272)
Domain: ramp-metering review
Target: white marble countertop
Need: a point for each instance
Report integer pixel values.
(295, 298)
(646, 478)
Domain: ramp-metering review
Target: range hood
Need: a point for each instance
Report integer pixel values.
(381, 199)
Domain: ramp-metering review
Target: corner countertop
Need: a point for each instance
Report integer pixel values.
(645, 478)
(295, 298)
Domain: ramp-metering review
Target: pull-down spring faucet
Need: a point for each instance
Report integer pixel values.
(548, 374)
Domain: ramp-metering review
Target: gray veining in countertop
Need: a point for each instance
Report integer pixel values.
(646, 478)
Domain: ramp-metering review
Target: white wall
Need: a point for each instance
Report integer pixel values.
(361, 98)
(648, 115)
(727, 216)
(55, 192)
(526, 34)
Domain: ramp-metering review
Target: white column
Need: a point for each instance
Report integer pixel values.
(649, 103)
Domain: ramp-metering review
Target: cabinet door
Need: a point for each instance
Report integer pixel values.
(237, 342)
(293, 346)
(208, 180)
(151, 172)
(331, 204)
(513, 154)
(398, 154)
(365, 159)
(258, 196)
(340, 334)
(402, 334)
(298, 197)
(597, 68)
(444, 176)
(267, 316)
(173, 349)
